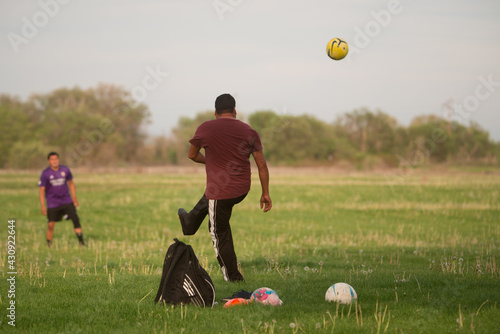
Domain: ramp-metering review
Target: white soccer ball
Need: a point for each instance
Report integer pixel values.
(341, 293)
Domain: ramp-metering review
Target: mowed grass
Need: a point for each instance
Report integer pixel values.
(422, 254)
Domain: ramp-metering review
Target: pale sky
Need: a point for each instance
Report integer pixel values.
(406, 58)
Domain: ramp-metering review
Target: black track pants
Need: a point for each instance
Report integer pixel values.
(219, 213)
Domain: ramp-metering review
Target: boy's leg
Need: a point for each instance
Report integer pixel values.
(71, 212)
(219, 214)
(53, 215)
(191, 221)
(50, 233)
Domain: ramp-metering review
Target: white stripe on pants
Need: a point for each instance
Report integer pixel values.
(212, 206)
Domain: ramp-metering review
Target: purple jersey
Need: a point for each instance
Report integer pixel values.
(56, 187)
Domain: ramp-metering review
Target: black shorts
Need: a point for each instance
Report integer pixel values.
(68, 210)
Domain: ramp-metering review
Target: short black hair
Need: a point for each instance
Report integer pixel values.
(51, 154)
(224, 103)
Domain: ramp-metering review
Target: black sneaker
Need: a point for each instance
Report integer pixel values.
(238, 294)
(182, 217)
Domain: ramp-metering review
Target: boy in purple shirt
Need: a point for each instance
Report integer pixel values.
(53, 185)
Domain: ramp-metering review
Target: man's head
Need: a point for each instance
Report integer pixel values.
(53, 158)
(225, 103)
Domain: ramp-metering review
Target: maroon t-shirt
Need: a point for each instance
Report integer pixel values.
(228, 143)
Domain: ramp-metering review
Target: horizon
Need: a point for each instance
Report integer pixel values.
(406, 58)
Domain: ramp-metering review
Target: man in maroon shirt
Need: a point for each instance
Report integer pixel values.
(228, 144)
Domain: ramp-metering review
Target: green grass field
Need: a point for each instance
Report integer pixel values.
(422, 254)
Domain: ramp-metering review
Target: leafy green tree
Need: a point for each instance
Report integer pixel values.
(160, 150)
(15, 126)
(105, 126)
(86, 126)
(293, 139)
(184, 131)
(28, 155)
(430, 140)
(80, 121)
(371, 133)
(471, 143)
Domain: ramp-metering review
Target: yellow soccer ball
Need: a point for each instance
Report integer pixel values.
(337, 49)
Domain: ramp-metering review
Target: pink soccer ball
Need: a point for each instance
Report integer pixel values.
(266, 296)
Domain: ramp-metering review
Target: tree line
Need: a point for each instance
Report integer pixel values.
(104, 126)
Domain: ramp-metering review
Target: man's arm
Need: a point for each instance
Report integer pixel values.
(265, 199)
(195, 154)
(72, 188)
(42, 200)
